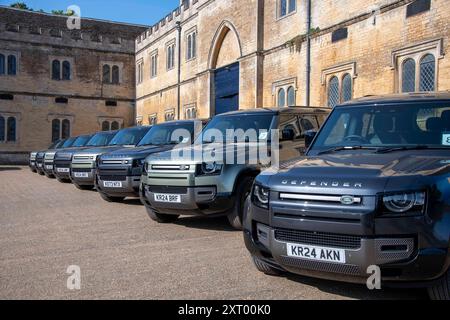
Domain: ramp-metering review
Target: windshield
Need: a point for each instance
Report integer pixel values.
(81, 141)
(173, 133)
(101, 139)
(389, 126)
(68, 143)
(130, 136)
(255, 126)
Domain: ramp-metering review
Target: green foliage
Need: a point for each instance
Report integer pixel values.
(23, 6)
(20, 5)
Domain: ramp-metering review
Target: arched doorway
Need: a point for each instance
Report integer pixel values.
(224, 55)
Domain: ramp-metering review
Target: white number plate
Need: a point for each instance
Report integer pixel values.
(33, 163)
(48, 167)
(80, 174)
(112, 184)
(172, 198)
(39, 165)
(315, 253)
(63, 170)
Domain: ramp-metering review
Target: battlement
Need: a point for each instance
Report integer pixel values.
(50, 28)
(187, 9)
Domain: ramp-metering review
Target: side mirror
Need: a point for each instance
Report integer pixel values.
(309, 137)
(287, 134)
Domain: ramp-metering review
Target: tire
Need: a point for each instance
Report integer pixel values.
(81, 187)
(441, 290)
(111, 199)
(265, 267)
(242, 192)
(41, 173)
(63, 180)
(160, 217)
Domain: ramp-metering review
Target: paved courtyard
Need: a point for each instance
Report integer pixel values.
(46, 226)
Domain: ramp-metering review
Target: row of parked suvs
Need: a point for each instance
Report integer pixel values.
(334, 196)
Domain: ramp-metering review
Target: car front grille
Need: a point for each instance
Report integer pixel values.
(346, 269)
(113, 178)
(62, 163)
(167, 189)
(81, 170)
(318, 238)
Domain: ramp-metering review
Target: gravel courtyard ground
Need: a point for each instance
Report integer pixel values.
(46, 226)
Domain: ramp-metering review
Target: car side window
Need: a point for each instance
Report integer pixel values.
(290, 122)
(309, 122)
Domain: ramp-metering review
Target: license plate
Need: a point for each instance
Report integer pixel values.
(63, 170)
(39, 165)
(316, 253)
(33, 163)
(112, 184)
(172, 198)
(49, 167)
(80, 174)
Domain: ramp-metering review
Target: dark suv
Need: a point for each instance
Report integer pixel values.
(373, 191)
(119, 172)
(203, 186)
(40, 156)
(33, 156)
(84, 162)
(63, 158)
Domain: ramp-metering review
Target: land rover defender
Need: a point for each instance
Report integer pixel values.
(84, 163)
(119, 172)
(373, 191)
(49, 158)
(40, 156)
(172, 187)
(33, 155)
(63, 158)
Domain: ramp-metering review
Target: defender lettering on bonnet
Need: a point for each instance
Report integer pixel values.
(333, 184)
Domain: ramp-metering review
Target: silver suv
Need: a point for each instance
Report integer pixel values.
(172, 187)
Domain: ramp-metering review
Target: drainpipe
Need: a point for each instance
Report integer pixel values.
(178, 28)
(308, 53)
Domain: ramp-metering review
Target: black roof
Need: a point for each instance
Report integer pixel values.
(399, 98)
(283, 110)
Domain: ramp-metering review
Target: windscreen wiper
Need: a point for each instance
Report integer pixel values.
(347, 148)
(406, 148)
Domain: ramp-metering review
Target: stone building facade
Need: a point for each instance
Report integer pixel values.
(211, 56)
(56, 82)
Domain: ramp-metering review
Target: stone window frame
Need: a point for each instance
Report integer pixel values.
(288, 14)
(339, 71)
(61, 60)
(284, 84)
(416, 51)
(112, 64)
(153, 119)
(18, 117)
(154, 64)
(61, 118)
(6, 54)
(192, 108)
(139, 71)
(110, 121)
(192, 32)
(139, 120)
(168, 112)
(170, 57)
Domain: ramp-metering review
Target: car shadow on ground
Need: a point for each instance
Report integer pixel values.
(133, 202)
(10, 168)
(210, 223)
(359, 291)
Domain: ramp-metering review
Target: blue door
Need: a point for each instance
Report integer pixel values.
(226, 86)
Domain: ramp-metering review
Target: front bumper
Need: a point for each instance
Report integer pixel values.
(62, 168)
(32, 164)
(83, 176)
(48, 168)
(126, 186)
(404, 251)
(194, 200)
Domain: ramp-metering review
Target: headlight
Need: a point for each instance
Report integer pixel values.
(260, 196)
(405, 202)
(145, 168)
(209, 168)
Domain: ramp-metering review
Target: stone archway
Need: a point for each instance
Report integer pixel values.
(224, 58)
